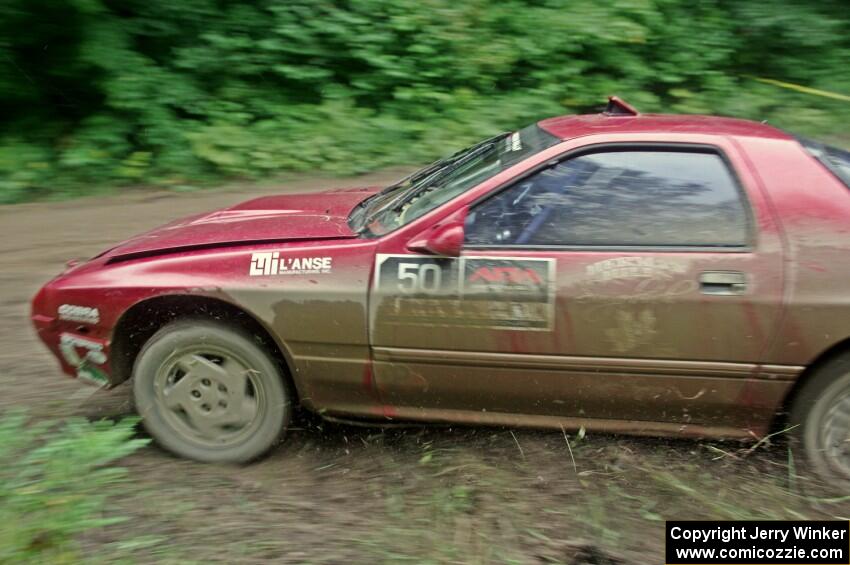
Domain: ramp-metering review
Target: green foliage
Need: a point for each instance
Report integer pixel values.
(54, 484)
(100, 92)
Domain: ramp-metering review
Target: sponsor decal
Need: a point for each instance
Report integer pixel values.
(92, 375)
(84, 354)
(513, 276)
(271, 263)
(632, 329)
(634, 268)
(513, 142)
(74, 313)
(484, 292)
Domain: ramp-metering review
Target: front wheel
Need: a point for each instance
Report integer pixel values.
(821, 416)
(209, 392)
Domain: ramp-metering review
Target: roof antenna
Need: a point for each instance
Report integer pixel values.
(619, 107)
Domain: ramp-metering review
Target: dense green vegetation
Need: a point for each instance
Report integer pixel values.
(55, 481)
(109, 92)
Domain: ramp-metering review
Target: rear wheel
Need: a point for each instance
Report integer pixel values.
(821, 414)
(209, 392)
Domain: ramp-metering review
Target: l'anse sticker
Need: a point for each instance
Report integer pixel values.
(484, 292)
(268, 263)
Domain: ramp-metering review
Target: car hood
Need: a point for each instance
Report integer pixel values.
(281, 218)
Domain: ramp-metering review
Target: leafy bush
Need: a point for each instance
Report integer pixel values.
(117, 93)
(54, 484)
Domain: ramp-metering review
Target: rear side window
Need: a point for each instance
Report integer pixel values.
(642, 198)
(835, 159)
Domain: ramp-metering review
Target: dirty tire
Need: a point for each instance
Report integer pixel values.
(821, 414)
(210, 392)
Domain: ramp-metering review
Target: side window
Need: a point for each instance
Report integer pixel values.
(618, 198)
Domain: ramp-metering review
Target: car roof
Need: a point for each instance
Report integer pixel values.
(569, 127)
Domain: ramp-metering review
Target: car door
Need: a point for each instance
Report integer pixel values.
(636, 282)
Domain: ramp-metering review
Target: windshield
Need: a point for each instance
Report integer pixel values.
(440, 182)
(835, 159)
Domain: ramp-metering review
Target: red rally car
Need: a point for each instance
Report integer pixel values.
(648, 274)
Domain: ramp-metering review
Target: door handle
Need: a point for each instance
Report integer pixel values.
(723, 282)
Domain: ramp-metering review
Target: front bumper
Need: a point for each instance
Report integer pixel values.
(81, 352)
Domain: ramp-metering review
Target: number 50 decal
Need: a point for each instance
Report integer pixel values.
(510, 293)
(416, 276)
(419, 278)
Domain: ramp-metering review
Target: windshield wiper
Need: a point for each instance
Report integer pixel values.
(414, 177)
(424, 178)
(409, 179)
(430, 181)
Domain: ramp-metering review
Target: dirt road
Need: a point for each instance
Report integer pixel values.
(334, 494)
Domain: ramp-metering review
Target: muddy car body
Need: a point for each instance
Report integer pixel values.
(691, 280)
